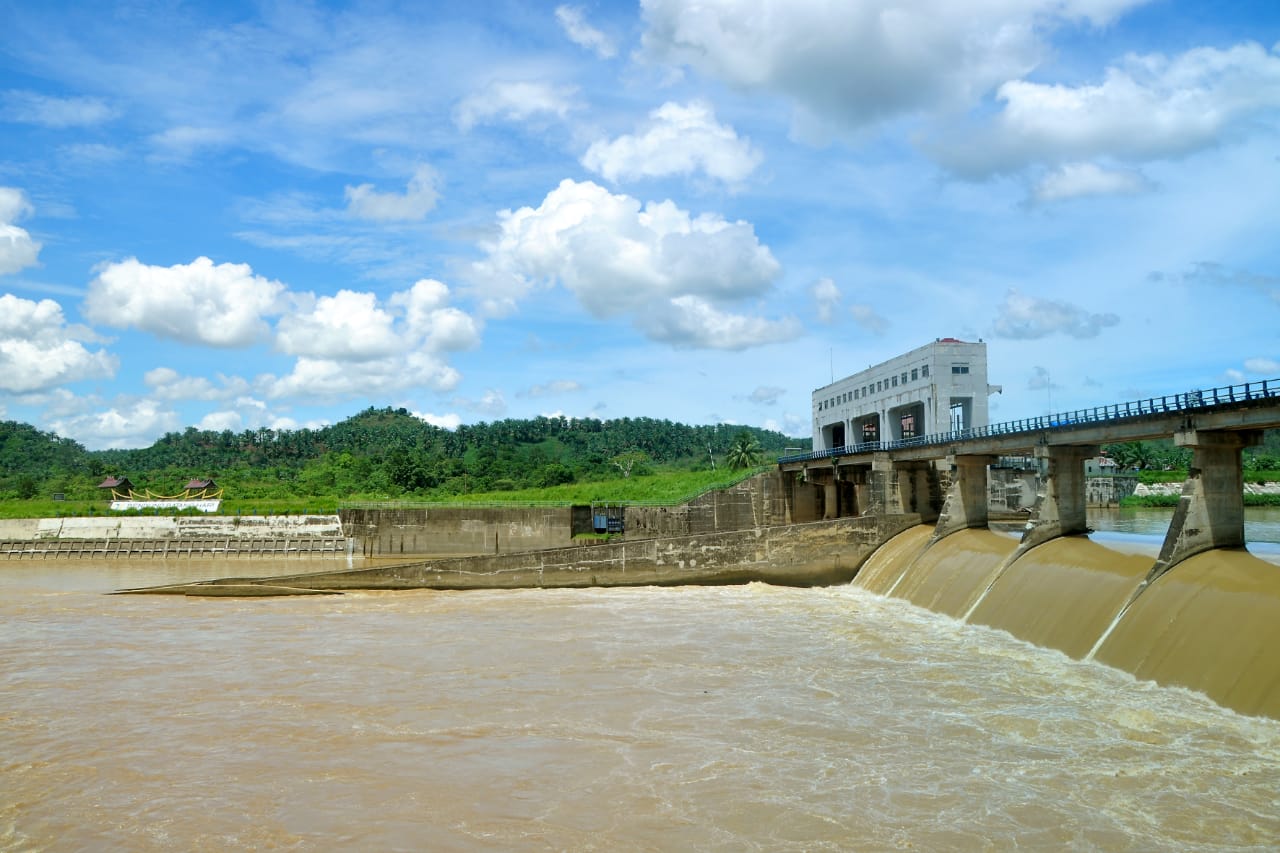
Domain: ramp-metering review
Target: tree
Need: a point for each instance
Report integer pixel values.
(744, 452)
(625, 462)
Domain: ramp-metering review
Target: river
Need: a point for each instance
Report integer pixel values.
(696, 718)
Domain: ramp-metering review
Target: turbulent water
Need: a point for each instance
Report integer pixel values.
(698, 718)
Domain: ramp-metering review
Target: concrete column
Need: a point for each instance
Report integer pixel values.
(1062, 507)
(1210, 513)
(831, 499)
(882, 486)
(966, 503)
(916, 487)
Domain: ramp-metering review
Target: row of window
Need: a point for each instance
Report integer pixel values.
(880, 385)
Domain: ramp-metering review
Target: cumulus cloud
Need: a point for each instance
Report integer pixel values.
(513, 102)
(351, 326)
(1075, 180)
(679, 139)
(583, 34)
(350, 343)
(128, 423)
(826, 296)
(329, 380)
(850, 65)
(418, 199)
(450, 421)
(1146, 108)
(223, 305)
(1028, 318)
(167, 384)
(17, 249)
(671, 272)
(39, 351)
(49, 111)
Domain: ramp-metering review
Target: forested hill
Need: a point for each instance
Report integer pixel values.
(378, 451)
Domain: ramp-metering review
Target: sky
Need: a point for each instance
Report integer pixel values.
(232, 215)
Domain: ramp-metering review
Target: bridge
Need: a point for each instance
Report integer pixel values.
(943, 477)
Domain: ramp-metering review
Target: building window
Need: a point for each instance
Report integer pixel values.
(904, 377)
(959, 368)
(924, 371)
(915, 374)
(895, 382)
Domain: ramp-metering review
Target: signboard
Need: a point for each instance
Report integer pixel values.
(203, 506)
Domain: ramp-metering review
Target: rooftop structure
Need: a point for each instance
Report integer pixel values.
(939, 387)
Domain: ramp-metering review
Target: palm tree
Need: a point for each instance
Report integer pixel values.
(745, 452)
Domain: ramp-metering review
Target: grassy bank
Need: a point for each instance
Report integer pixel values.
(663, 489)
(1172, 500)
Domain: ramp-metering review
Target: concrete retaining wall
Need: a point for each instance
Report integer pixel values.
(99, 528)
(755, 502)
(457, 530)
(819, 553)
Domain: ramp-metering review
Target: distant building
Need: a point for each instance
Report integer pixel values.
(118, 485)
(937, 388)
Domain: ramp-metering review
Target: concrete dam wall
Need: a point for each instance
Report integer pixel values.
(1208, 624)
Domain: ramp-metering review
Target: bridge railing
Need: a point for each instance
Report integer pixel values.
(1184, 402)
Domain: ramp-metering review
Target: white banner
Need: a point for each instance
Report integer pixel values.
(203, 506)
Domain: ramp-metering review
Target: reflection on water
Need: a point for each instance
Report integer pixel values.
(1261, 524)
(709, 718)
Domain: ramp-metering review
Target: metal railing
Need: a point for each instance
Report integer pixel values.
(1185, 402)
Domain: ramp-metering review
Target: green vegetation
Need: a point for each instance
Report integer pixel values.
(1172, 500)
(389, 455)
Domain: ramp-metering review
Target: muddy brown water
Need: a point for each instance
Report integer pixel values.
(714, 718)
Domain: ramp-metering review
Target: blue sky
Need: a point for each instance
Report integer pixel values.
(234, 215)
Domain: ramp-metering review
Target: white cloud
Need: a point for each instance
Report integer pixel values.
(329, 379)
(679, 139)
(1074, 180)
(852, 64)
(167, 384)
(514, 102)
(1262, 366)
(690, 322)
(418, 199)
(826, 296)
(219, 421)
(450, 421)
(351, 326)
(182, 142)
(866, 317)
(1028, 318)
(583, 34)
(38, 350)
(671, 272)
(554, 387)
(767, 395)
(222, 306)
(17, 249)
(1147, 108)
(48, 111)
(129, 423)
(492, 404)
(347, 326)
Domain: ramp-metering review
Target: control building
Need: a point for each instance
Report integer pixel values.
(937, 388)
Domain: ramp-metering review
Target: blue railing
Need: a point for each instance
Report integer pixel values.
(1185, 402)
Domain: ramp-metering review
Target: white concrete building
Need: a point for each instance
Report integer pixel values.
(937, 388)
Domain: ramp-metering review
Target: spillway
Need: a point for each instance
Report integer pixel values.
(1210, 624)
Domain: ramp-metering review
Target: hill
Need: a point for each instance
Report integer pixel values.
(377, 453)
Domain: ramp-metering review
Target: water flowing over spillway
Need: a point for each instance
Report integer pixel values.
(1210, 624)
